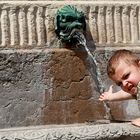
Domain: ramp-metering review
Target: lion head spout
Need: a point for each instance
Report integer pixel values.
(68, 21)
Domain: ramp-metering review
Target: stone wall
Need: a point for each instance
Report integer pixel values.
(43, 81)
(31, 24)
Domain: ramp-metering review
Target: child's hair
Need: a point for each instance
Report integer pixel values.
(121, 55)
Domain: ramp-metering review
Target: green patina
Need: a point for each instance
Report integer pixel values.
(68, 20)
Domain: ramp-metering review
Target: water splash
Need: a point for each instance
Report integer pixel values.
(82, 42)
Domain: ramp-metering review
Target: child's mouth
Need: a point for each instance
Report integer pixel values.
(132, 89)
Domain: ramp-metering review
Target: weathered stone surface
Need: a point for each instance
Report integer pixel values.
(56, 86)
(77, 111)
(72, 95)
(37, 84)
(69, 73)
(21, 87)
(79, 132)
(31, 24)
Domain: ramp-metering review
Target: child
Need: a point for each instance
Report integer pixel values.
(124, 69)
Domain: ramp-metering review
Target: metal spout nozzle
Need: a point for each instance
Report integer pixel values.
(80, 39)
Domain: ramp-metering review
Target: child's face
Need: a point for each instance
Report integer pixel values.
(127, 76)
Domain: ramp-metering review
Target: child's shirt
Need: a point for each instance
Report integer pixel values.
(138, 95)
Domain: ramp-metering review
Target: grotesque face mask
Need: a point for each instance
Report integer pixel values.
(68, 21)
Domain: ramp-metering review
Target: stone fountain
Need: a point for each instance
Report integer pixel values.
(52, 72)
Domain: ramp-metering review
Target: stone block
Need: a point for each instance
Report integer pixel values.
(21, 88)
(74, 111)
(72, 90)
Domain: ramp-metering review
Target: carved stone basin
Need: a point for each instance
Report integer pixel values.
(112, 131)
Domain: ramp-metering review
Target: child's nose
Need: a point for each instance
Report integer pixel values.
(125, 84)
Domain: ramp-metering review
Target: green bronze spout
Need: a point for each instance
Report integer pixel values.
(68, 21)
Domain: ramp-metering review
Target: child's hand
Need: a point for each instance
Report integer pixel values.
(106, 96)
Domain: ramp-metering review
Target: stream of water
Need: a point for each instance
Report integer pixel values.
(82, 42)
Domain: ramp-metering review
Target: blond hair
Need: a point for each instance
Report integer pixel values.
(121, 55)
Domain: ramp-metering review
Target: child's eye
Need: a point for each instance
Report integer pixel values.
(126, 76)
